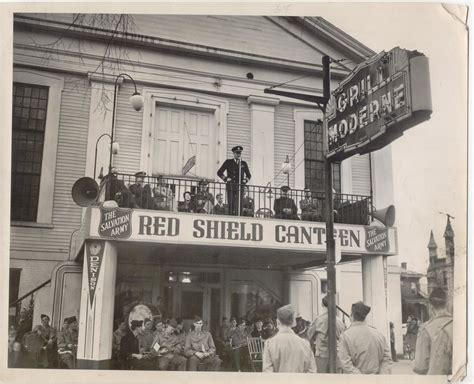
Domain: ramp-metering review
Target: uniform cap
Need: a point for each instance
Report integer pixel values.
(43, 316)
(285, 188)
(140, 174)
(438, 296)
(360, 309)
(196, 319)
(286, 314)
(237, 148)
(70, 320)
(203, 182)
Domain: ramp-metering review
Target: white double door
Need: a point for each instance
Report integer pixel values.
(179, 134)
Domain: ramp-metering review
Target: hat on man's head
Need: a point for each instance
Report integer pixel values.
(173, 323)
(203, 182)
(237, 149)
(140, 174)
(196, 319)
(360, 309)
(286, 314)
(70, 320)
(285, 188)
(43, 316)
(438, 296)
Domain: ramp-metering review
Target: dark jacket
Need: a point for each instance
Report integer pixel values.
(285, 202)
(142, 194)
(231, 168)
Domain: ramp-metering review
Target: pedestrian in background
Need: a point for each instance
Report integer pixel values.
(434, 346)
(392, 342)
(362, 348)
(287, 352)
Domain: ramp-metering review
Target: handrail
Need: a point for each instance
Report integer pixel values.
(29, 293)
(344, 312)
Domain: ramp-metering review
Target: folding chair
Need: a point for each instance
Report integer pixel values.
(255, 345)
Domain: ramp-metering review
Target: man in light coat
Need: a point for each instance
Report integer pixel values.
(434, 345)
(362, 348)
(287, 352)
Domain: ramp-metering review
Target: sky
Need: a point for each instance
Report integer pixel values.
(430, 160)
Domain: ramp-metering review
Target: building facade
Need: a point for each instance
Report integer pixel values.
(203, 90)
(414, 300)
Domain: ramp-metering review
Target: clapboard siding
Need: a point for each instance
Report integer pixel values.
(70, 165)
(239, 129)
(284, 142)
(128, 132)
(361, 175)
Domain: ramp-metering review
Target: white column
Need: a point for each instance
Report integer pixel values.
(97, 314)
(262, 111)
(100, 122)
(374, 292)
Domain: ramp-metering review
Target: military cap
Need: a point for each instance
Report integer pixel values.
(196, 319)
(285, 188)
(360, 309)
(173, 323)
(70, 320)
(237, 148)
(140, 174)
(43, 316)
(203, 182)
(438, 296)
(286, 314)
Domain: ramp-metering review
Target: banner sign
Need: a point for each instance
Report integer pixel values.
(94, 255)
(214, 230)
(377, 102)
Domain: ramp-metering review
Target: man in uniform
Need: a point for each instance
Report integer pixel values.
(310, 210)
(203, 200)
(434, 345)
(362, 348)
(284, 206)
(287, 352)
(233, 167)
(200, 348)
(318, 335)
(117, 190)
(67, 342)
(142, 192)
(248, 204)
(170, 348)
(146, 337)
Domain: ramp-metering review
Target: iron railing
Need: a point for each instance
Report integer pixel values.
(205, 196)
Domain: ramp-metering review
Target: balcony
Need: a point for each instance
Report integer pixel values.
(196, 196)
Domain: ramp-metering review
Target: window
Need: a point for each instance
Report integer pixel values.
(30, 104)
(314, 158)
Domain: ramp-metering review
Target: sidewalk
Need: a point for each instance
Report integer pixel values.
(403, 367)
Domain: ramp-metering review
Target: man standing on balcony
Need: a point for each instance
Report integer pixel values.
(234, 168)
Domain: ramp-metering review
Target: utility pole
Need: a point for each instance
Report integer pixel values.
(322, 103)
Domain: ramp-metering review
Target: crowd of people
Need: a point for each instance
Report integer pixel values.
(161, 195)
(156, 344)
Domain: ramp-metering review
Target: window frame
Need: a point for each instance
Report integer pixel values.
(55, 84)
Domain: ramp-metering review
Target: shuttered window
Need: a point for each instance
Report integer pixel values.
(30, 104)
(314, 158)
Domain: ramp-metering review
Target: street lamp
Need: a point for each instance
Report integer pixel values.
(137, 102)
(286, 169)
(114, 145)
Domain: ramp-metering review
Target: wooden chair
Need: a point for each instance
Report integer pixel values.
(255, 346)
(264, 213)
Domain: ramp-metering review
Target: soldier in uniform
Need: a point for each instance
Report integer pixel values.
(203, 200)
(284, 206)
(310, 210)
(434, 345)
(362, 348)
(248, 204)
(67, 342)
(142, 192)
(118, 191)
(171, 348)
(232, 168)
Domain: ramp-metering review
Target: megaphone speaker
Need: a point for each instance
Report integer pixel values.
(385, 216)
(85, 191)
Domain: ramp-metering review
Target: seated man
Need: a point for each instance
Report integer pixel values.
(142, 192)
(310, 210)
(200, 348)
(248, 204)
(187, 204)
(118, 191)
(203, 200)
(146, 336)
(130, 352)
(220, 208)
(67, 342)
(284, 206)
(169, 348)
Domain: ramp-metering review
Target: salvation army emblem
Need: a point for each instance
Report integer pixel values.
(115, 223)
(376, 240)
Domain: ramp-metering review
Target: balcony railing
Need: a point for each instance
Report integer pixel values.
(210, 197)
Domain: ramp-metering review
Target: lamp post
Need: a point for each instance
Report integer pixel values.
(114, 145)
(137, 102)
(286, 169)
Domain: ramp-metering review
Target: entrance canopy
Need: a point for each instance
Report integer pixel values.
(215, 239)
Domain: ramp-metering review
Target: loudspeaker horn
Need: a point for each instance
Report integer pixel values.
(385, 216)
(85, 191)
